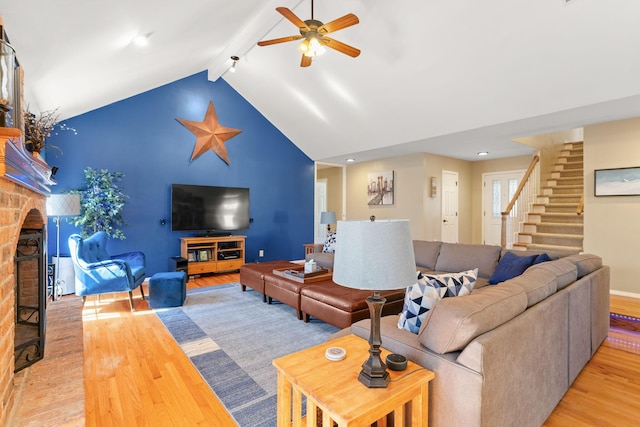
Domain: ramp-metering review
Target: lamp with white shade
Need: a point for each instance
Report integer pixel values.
(328, 218)
(374, 255)
(61, 205)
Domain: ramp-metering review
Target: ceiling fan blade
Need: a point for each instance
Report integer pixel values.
(306, 61)
(340, 47)
(287, 13)
(339, 24)
(280, 40)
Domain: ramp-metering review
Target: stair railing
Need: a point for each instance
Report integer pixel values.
(520, 204)
(580, 209)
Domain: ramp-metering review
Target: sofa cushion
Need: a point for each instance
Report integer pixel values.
(481, 282)
(429, 289)
(330, 243)
(426, 253)
(586, 263)
(454, 322)
(565, 271)
(461, 257)
(510, 266)
(537, 283)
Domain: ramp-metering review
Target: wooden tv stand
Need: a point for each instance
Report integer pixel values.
(212, 254)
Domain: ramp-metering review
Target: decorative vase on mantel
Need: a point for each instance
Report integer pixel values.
(29, 146)
(7, 76)
(33, 148)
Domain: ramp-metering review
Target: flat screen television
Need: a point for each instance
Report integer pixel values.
(209, 209)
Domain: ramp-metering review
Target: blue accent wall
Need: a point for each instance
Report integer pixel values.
(141, 137)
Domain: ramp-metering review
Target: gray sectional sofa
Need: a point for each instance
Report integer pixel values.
(505, 354)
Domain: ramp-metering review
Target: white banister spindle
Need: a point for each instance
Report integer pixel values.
(516, 214)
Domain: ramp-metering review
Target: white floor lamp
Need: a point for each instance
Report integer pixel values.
(61, 205)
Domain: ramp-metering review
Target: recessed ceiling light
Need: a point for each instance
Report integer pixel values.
(141, 40)
(351, 160)
(483, 153)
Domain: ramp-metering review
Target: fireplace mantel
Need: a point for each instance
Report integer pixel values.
(21, 166)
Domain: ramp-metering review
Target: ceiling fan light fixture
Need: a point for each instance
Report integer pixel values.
(313, 34)
(303, 47)
(311, 47)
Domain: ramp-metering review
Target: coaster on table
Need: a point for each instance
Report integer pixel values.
(335, 353)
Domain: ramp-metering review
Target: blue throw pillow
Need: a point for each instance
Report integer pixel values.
(541, 258)
(510, 266)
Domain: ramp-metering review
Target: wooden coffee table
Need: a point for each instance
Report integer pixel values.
(334, 389)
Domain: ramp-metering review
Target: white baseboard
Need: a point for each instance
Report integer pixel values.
(624, 294)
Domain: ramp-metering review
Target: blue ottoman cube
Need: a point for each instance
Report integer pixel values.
(167, 289)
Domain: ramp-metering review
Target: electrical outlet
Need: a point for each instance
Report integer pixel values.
(261, 253)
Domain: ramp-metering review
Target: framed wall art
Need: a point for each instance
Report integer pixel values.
(380, 188)
(617, 182)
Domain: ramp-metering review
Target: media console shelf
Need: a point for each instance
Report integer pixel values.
(212, 254)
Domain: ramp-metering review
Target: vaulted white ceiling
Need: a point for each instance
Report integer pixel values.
(440, 76)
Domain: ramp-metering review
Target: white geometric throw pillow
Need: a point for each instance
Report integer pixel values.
(419, 298)
(330, 243)
(457, 284)
(422, 296)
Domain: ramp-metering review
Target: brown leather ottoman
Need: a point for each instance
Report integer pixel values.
(284, 290)
(252, 274)
(341, 306)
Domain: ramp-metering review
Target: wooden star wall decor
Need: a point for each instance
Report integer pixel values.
(210, 134)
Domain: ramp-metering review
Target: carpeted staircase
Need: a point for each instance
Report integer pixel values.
(553, 223)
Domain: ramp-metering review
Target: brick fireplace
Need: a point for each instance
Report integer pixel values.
(23, 191)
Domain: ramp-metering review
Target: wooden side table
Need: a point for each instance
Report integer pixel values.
(333, 387)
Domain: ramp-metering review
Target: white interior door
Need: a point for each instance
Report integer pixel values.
(321, 205)
(449, 231)
(497, 190)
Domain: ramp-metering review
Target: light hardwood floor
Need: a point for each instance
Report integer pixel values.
(136, 375)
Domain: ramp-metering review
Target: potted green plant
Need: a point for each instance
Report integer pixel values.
(101, 203)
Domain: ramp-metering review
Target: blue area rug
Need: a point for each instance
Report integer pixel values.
(232, 337)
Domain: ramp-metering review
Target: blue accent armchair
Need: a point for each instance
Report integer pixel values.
(97, 272)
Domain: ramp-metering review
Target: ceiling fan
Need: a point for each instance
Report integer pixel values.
(314, 34)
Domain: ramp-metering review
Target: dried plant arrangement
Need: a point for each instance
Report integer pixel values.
(37, 128)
